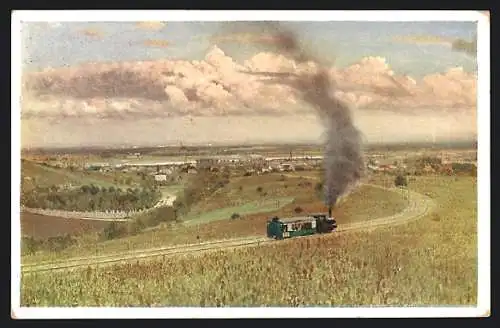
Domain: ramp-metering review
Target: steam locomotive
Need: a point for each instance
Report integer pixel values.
(300, 226)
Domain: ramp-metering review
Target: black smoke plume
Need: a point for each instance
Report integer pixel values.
(343, 161)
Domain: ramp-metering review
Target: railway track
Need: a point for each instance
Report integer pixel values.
(418, 206)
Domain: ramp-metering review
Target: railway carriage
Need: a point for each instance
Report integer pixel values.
(300, 226)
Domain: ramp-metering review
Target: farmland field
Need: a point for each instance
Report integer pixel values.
(432, 261)
(43, 226)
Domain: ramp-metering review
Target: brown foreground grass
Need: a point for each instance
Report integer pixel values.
(432, 261)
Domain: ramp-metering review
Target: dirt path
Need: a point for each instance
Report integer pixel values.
(418, 206)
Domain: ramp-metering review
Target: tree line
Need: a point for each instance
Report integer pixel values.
(90, 198)
(199, 187)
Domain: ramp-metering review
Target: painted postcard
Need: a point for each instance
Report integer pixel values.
(251, 164)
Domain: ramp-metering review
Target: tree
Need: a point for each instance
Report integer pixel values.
(94, 189)
(401, 181)
(319, 187)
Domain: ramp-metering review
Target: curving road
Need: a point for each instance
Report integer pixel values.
(165, 201)
(418, 206)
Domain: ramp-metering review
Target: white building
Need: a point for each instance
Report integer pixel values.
(160, 177)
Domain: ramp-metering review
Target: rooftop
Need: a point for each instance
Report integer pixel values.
(296, 219)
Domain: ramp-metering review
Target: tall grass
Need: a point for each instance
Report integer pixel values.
(428, 262)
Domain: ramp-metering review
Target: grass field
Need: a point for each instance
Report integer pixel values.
(172, 190)
(365, 203)
(47, 176)
(432, 261)
(255, 207)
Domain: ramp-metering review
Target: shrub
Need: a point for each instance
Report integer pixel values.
(401, 181)
(158, 215)
(114, 230)
(58, 243)
(304, 184)
(259, 189)
(298, 210)
(30, 245)
(235, 216)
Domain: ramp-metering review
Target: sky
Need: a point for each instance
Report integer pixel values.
(396, 50)
(59, 44)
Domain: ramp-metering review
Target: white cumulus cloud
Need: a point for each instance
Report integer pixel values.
(218, 85)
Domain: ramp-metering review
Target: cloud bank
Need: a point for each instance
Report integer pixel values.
(220, 86)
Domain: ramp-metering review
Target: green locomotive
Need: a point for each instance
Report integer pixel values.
(300, 226)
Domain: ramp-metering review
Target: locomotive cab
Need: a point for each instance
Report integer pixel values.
(325, 223)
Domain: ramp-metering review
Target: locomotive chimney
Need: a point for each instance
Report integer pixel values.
(329, 211)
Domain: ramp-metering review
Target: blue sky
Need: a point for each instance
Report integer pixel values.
(345, 42)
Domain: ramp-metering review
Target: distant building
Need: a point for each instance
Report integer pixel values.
(206, 163)
(97, 166)
(287, 167)
(267, 169)
(167, 171)
(160, 177)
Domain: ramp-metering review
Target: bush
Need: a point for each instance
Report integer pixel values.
(136, 226)
(298, 210)
(235, 216)
(114, 230)
(401, 181)
(259, 189)
(30, 245)
(59, 243)
(159, 215)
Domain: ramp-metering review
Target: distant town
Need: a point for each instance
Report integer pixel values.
(163, 167)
